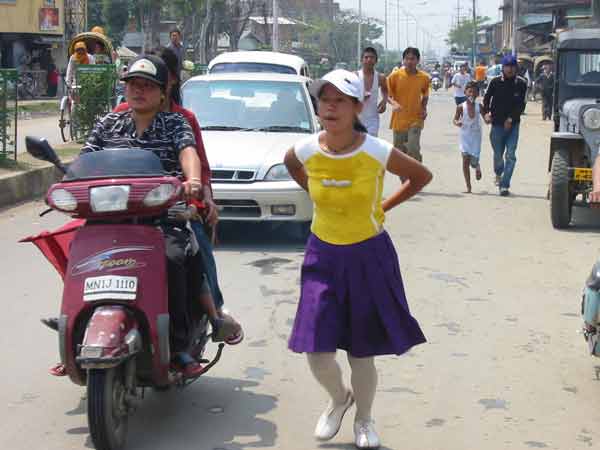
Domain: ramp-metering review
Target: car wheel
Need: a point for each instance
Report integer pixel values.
(561, 198)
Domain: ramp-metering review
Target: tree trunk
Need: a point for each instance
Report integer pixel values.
(155, 6)
(203, 41)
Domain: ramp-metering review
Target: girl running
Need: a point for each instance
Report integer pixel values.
(352, 293)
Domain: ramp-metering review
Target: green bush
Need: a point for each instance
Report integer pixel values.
(96, 94)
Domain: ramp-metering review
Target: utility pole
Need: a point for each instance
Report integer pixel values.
(359, 47)
(407, 30)
(398, 24)
(386, 34)
(515, 32)
(275, 26)
(474, 35)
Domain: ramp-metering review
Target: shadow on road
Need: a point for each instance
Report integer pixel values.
(214, 413)
(249, 236)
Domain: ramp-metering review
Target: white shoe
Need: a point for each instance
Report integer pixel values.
(331, 420)
(365, 434)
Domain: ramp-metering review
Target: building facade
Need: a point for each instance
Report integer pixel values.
(31, 33)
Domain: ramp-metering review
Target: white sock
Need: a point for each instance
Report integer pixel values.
(364, 384)
(328, 373)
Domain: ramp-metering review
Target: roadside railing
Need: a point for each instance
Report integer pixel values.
(8, 113)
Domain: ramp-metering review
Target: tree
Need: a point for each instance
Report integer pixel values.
(116, 15)
(235, 16)
(343, 35)
(461, 36)
(94, 13)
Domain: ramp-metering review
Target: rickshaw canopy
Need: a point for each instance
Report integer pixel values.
(90, 38)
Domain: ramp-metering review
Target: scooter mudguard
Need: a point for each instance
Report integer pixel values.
(111, 336)
(591, 306)
(123, 267)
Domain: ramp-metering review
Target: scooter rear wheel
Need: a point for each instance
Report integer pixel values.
(107, 408)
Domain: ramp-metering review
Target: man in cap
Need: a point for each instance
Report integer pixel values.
(504, 103)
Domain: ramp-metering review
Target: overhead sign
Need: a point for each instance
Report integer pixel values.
(49, 19)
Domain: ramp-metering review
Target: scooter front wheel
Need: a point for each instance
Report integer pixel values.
(107, 408)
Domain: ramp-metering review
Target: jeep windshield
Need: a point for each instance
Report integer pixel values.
(581, 68)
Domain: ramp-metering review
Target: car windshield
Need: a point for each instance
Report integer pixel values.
(581, 67)
(248, 105)
(251, 67)
(115, 163)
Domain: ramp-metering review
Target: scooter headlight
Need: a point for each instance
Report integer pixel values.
(63, 200)
(109, 198)
(159, 195)
(591, 119)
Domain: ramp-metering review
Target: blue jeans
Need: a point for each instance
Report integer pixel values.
(504, 144)
(206, 252)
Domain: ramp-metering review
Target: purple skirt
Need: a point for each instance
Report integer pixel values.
(353, 299)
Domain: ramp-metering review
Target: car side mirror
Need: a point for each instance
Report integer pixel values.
(40, 149)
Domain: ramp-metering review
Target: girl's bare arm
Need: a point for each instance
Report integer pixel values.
(415, 174)
(296, 169)
(457, 116)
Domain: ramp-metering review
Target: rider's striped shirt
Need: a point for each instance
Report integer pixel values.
(167, 136)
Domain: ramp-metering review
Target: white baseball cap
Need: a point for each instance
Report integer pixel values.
(346, 82)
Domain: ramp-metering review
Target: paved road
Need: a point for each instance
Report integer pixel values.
(495, 288)
(41, 127)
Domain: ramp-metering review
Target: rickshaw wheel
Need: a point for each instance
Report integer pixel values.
(64, 122)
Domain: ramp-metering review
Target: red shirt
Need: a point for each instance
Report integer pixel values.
(191, 118)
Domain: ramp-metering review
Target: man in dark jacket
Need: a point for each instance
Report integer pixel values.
(504, 103)
(546, 83)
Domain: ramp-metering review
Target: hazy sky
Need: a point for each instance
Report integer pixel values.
(434, 15)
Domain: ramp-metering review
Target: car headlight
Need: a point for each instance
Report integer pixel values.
(109, 198)
(591, 119)
(159, 195)
(63, 200)
(278, 173)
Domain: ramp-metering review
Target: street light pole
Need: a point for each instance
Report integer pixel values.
(359, 48)
(398, 23)
(275, 26)
(386, 34)
(474, 34)
(515, 33)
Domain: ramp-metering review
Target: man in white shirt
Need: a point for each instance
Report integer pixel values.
(459, 81)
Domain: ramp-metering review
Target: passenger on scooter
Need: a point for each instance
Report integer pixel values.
(227, 328)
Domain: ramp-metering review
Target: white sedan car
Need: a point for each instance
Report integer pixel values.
(249, 121)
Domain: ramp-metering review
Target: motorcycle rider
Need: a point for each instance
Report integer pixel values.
(145, 125)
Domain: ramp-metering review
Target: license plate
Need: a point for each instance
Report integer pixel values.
(582, 174)
(109, 287)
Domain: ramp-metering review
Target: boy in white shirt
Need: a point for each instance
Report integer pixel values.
(459, 81)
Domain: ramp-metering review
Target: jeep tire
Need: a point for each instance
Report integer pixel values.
(561, 199)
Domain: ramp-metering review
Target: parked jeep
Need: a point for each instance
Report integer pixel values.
(576, 136)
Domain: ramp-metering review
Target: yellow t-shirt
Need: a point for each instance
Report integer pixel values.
(346, 190)
(408, 90)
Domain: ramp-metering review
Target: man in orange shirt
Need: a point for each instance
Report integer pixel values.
(408, 90)
(481, 75)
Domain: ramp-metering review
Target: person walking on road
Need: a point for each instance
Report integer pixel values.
(481, 75)
(504, 103)
(459, 81)
(177, 47)
(352, 296)
(408, 90)
(373, 81)
(546, 81)
(467, 118)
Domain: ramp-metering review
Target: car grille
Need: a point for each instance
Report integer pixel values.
(238, 209)
(233, 175)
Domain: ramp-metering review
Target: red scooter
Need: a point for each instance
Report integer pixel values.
(114, 321)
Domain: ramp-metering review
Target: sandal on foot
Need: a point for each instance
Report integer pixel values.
(227, 329)
(189, 367)
(59, 370)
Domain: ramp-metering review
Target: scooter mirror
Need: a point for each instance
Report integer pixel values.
(39, 148)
